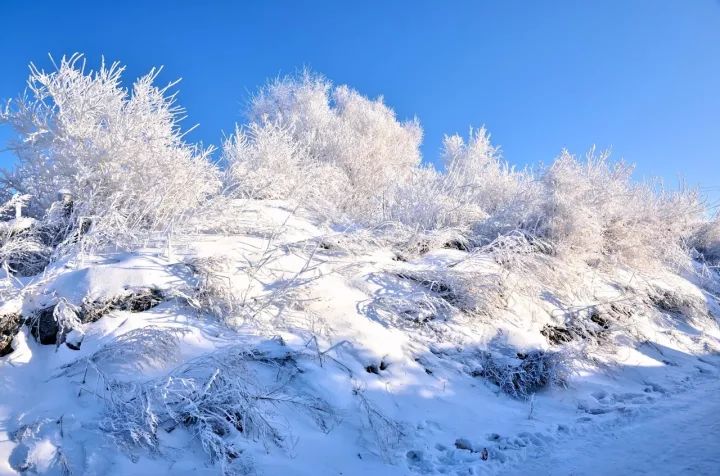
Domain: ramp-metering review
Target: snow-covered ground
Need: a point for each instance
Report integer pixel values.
(681, 436)
(339, 355)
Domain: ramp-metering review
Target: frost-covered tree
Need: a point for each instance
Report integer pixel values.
(265, 161)
(487, 186)
(476, 173)
(119, 153)
(590, 209)
(594, 209)
(706, 241)
(358, 141)
(421, 201)
(578, 198)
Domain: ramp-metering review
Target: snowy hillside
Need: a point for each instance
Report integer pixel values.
(351, 358)
(317, 300)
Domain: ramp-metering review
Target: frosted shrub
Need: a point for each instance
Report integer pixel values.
(371, 145)
(265, 161)
(227, 399)
(146, 348)
(578, 200)
(589, 209)
(476, 174)
(356, 146)
(707, 241)
(595, 211)
(423, 201)
(487, 194)
(656, 228)
(214, 290)
(468, 292)
(23, 249)
(523, 376)
(119, 153)
(477, 190)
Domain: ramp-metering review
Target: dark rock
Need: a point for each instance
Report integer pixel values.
(135, 301)
(43, 326)
(9, 327)
(376, 369)
(399, 257)
(372, 369)
(74, 338)
(556, 335)
(324, 245)
(599, 320)
(457, 245)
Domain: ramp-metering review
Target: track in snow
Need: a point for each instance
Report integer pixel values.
(682, 439)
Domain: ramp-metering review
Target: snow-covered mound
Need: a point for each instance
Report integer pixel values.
(285, 347)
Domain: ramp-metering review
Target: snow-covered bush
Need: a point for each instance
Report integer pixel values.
(593, 209)
(572, 216)
(223, 397)
(23, 245)
(590, 209)
(314, 136)
(214, 291)
(266, 161)
(470, 292)
(120, 154)
(707, 241)
(237, 295)
(22, 250)
(147, 348)
(425, 201)
(425, 300)
(476, 174)
(477, 191)
(523, 376)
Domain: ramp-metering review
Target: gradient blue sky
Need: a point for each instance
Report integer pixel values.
(640, 76)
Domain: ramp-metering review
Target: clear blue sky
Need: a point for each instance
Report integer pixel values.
(642, 76)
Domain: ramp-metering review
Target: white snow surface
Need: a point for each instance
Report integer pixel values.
(645, 403)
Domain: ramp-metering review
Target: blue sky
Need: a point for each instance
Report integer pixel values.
(640, 76)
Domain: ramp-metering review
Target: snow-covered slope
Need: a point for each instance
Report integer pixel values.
(283, 347)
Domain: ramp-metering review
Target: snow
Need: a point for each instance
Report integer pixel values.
(103, 279)
(682, 437)
(401, 394)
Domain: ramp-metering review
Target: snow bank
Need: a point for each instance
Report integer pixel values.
(342, 358)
